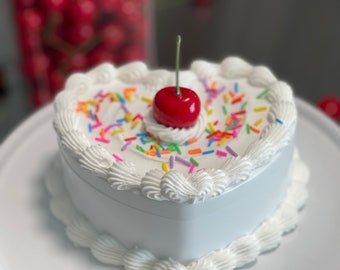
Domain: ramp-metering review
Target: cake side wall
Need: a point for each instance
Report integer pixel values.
(180, 231)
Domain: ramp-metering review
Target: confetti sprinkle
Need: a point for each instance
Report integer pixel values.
(100, 92)
(121, 120)
(211, 127)
(194, 161)
(165, 167)
(117, 131)
(118, 158)
(191, 169)
(158, 153)
(120, 98)
(205, 84)
(97, 125)
(93, 118)
(254, 129)
(262, 94)
(244, 105)
(248, 128)
(231, 151)
(190, 141)
(134, 123)
(260, 109)
(102, 134)
(221, 153)
(161, 145)
(124, 108)
(146, 99)
(225, 98)
(128, 117)
(258, 122)
(195, 151)
(208, 152)
(142, 134)
(125, 146)
(236, 87)
(102, 140)
(171, 162)
(222, 141)
(225, 110)
(183, 161)
(211, 140)
(220, 90)
(137, 116)
(240, 112)
(237, 99)
(278, 120)
(140, 148)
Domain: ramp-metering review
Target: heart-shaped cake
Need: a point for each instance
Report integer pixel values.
(140, 167)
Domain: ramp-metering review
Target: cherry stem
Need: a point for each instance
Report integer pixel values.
(178, 91)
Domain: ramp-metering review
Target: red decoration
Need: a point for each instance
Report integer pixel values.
(54, 5)
(331, 106)
(58, 37)
(177, 111)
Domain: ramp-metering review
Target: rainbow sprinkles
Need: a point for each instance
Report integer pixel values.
(126, 125)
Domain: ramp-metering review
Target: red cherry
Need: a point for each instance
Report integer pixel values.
(36, 64)
(133, 53)
(113, 35)
(331, 106)
(130, 13)
(177, 111)
(100, 55)
(54, 5)
(110, 5)
(31, 19)
(77, 62)
(56, 80)
(140, 31)
(82, 10)
(79, 33)
(30, 42)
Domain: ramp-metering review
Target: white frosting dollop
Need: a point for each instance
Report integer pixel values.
(261, 76)
(204, 69)
(235, 67)
(132, 72)
(75, 142)
(175, 135)
(123, 175)
(96, 160)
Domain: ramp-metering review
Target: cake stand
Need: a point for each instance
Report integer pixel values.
(30, 237)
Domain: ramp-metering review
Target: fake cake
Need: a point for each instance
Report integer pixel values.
(146, 195)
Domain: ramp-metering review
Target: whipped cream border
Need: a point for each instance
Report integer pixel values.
(174, 185)
(242, 251)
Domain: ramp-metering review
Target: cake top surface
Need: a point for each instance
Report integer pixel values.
(104, 120)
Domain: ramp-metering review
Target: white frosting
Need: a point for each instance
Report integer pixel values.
(242, 251)
(144, 172)
(176, 135)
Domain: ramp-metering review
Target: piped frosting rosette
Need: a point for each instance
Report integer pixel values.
(103, 115)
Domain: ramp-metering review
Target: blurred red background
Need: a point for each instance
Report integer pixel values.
(58, 37)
